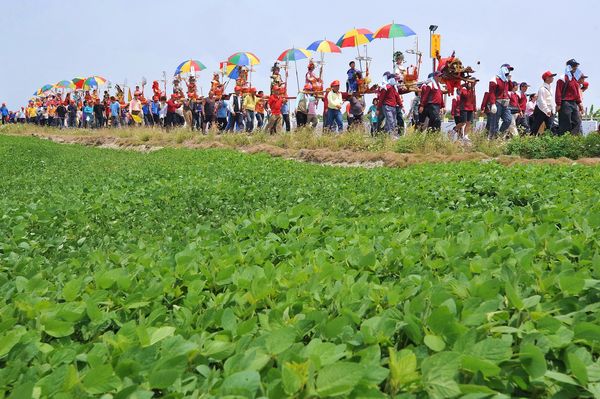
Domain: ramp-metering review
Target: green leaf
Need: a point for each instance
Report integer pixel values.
(58, 328)
(587, 331)
(72, 289)
(475, 364)
(403, 368)
(294, 376)
(533, 360)
(10, 339)
(243, 383)
(159, 334)
(560, 377)
(339, 378)
(439, 372)
(513, 296)
(279, 340)
(434, 343)
(24, 391)
(571, 284)
(100, 380)
(578, 368)
(161, 379)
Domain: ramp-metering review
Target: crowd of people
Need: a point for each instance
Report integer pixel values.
(508, 106)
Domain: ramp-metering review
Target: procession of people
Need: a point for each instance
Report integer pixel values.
(508, 107)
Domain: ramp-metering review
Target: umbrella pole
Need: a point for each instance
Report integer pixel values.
(297, 79)
(359, 59)
(394, 52)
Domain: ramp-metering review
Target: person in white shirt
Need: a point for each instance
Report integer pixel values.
(530, 107)
(334, 105)
(545, 107)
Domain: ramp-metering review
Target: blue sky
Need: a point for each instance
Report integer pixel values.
(46, 41)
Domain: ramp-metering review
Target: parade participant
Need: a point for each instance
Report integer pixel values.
(162, 110)
(187, 113)
(236, 109)
(88, 116)
(399, 69)
(259, 109)
(499, 100)
(250, 101)
(414, 109)
(302, 105)
(216, 88)
(275, 103)
(515, 110)
(61, 112)
(209, 112)
(455, 113)
(432, 102)
(522, 119)
(311, 115)
(276, 79)
(389, 99)
(334, 107)
(373, 117)
(568, 99)
(137, 91)
(285, 111)
(530, 107)
(222, 113)
(135, 108)
(467, 104)
(326, 110)
(157, 93)
(155, 110)
(357, 109)
(172, 106)
(314, 82)
(99, 114)
(192, 93)
(21, 116)
(72, 111)
(115, 112)
(353, 76)
(545, 107)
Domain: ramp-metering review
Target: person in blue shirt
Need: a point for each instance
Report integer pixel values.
(155, 109)
(285, 115)
(88, 115)
(115, 112)
(222, 110)
(147, 114)
(4, 113)
(353, 75)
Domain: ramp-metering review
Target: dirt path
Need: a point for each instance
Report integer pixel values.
(345, 158)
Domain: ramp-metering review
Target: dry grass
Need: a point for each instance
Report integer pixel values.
(355, 148)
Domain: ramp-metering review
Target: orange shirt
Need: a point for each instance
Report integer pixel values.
(260, 106)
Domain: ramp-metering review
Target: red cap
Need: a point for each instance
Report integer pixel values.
(275, 88)
(335, 83)
(547, 74)
(586, 85)
(237, 88)
(307, 87)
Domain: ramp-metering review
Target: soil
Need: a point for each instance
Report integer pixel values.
(342, 158)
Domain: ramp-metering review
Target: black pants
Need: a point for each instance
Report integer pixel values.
(538, 118)
(99, 119)
(221, 123)
(286, 122)
(301, 118)
(432, 111)
(207, 122)
(400, 121)
(569, 119)
(523, 122)
(170, 120)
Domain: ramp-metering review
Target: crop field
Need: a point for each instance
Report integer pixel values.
(217, 274)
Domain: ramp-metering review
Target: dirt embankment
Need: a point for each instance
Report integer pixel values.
(345, 158)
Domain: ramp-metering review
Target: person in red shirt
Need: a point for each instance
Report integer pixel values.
(172, 106)
(522, 121)
(568, 100)
(274, 103)
(432, 102)
(389, 100)
(499, 100)
(467, 104)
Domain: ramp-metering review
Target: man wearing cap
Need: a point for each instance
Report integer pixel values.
(250, 100)
(302, 105)
(522, 120)
(432, 102)
(389, 100)
(568, 100)
(499, 99)
(545, 107)
(334, 107)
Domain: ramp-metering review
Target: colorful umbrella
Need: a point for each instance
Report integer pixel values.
(94, 81)
(65, 84)
(294, 54)
(190, 66)
(232, 71)
(391, 31)
(355, 38)
(78, 82)
(44, 89)
(243, 59)
(324, 46)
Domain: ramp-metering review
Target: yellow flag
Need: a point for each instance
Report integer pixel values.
(136, 118)
(129, 95)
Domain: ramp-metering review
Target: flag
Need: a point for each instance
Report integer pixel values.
(129, 95)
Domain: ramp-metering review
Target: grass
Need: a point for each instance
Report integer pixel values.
(355, 140)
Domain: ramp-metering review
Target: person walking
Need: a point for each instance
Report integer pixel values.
(568, 100)
(115, 112)
(499, 100)
(250, 101)
(334, 107)
(275, 103)
(545, 106)
(432, 102)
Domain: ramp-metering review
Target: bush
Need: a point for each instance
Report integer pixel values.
(548, 146)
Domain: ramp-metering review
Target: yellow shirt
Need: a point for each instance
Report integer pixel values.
(31, 112)
(250, 102)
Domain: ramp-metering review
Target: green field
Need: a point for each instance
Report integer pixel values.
(213, 273)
